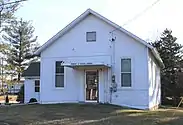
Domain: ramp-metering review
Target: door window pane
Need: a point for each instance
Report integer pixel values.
(91, 85)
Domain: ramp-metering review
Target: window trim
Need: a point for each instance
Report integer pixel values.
(60, 74)
(91, 40)
(128, 87)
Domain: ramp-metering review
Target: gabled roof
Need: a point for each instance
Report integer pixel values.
(32, 70)
(117, 27)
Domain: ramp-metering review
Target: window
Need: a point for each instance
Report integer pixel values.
(37, 86)
(59, 75)
(91, 36)
(126, 72)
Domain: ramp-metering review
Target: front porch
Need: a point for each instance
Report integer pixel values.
(93, 79)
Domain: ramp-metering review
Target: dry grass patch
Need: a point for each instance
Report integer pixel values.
(11, 97)
(86, 114)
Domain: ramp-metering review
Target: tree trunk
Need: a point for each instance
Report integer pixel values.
(19, 76)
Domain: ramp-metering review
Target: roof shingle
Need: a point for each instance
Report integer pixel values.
(32, 70)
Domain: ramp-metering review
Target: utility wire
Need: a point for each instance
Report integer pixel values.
(138, 15)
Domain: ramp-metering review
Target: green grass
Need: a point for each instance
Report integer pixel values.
(87, 114)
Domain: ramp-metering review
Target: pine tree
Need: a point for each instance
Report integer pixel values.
(23, 44)
(7, 10)
(171, 53)
(6, 16)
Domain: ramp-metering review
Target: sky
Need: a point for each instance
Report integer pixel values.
(50, 16)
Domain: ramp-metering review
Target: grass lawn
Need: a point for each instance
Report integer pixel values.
(86, 114)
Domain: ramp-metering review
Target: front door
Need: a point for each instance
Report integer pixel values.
(91, 86)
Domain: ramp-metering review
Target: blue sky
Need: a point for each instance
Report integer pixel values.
(50, 16)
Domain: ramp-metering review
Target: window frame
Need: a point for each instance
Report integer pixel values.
(59, 74)
(91, 40)
(36, 86)
(121, 85)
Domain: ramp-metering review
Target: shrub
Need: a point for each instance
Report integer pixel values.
(32, 100)
(20, 97)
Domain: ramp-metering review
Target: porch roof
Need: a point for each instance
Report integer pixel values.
(86, 65)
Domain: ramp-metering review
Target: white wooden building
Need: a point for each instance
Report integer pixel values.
(95, 60)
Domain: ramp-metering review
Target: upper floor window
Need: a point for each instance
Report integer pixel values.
(59, 74)
(126, 73)
(90, 36)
